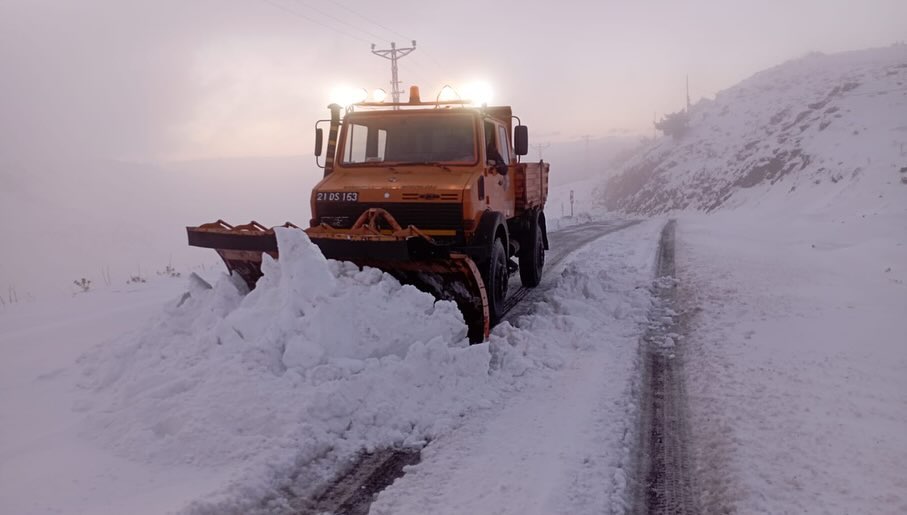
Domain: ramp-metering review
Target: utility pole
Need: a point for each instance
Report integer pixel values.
(571, 203)
(586, 161)
(540, 147)
(393, 54)
(688, 93)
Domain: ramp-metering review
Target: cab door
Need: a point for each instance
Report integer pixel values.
(499, 186)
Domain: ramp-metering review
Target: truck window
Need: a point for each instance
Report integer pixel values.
(364, 144)
(496, 138)
(503, 144)
(489, 138)
(415, 138)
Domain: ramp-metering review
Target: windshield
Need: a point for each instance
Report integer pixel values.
(418, 138)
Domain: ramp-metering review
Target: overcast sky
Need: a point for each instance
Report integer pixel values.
(176, 79)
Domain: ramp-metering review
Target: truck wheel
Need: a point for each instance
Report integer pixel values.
(532, 260)
(494, 273)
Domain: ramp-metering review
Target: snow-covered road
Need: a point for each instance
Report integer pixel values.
(796, 361)
(562, 441)
(226, 401)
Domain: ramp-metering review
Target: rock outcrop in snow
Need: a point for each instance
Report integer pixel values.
(827, 122)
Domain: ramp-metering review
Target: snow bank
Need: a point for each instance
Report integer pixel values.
(320, 357)
(285, 384)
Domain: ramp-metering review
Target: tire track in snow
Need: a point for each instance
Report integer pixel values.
(562, 243)
(354, 492)
(664, 481)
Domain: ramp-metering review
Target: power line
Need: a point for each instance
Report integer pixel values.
(383, 53)
(369, 19)
(341, 20)
(313, 20)
(366, 18)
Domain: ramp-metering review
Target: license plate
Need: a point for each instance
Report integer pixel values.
(337, 196)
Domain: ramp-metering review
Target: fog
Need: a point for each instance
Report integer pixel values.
(121, 122)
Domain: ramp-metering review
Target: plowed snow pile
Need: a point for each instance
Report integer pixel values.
(320, 358)
(282, 385)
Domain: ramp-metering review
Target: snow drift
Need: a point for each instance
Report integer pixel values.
(830, 125)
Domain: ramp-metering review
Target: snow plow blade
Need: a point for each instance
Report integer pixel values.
(375, 240)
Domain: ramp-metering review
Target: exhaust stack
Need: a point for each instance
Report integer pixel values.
(332, 139)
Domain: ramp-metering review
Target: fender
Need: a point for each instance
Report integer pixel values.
(544, 226)
(488, 228)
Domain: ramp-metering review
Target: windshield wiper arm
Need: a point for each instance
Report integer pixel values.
(422, 163)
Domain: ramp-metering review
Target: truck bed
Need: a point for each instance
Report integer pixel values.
(531, 185)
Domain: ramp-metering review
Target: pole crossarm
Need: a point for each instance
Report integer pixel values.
(393, 54)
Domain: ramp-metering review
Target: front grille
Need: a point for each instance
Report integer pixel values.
(424, 215)
(431, 196)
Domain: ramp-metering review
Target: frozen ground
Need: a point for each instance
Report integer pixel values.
(796, 360)
(111, 404)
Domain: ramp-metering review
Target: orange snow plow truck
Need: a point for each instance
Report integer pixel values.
(433, 193)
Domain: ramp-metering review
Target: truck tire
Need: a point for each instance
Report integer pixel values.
(532, 258)
(494, 274)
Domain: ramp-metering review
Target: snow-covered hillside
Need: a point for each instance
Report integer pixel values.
(820, 130)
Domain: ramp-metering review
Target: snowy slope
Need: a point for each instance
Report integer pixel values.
(811, 132)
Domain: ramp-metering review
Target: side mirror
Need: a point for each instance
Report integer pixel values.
(319, 142)
(521, 140)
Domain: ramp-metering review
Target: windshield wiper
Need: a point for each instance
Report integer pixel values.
(422, 163)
